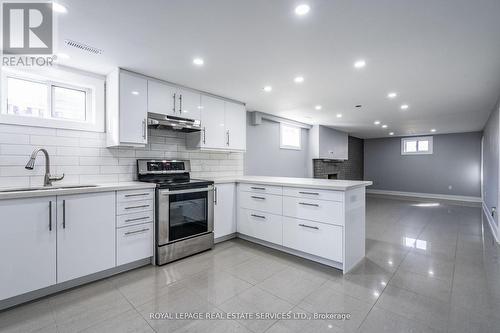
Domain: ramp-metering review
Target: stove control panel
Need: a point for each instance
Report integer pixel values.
(162, 166)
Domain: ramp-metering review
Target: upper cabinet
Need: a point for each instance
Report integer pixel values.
(126, 109)
(223, 126)
(328, 143)
(170, 100)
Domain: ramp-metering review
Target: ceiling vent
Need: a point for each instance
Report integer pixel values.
(83, 47)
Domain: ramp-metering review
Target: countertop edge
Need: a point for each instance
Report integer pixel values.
(278, 183)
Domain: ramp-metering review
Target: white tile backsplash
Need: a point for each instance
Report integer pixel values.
(84, 158)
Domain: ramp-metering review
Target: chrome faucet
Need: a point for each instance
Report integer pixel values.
(48, 177)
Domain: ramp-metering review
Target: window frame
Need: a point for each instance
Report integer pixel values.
(429, 139)
(93, 86)
(283, 146)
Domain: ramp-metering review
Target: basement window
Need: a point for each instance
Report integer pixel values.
(290, 137)
(417, 145)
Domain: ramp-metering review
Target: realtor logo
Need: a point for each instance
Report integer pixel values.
(27, 28)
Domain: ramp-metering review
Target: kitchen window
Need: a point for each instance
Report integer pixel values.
(417, 145)
(290, 137)
(58, 99)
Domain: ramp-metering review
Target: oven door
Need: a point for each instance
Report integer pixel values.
(184, 214)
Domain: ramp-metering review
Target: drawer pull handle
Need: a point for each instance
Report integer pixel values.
(135, 207)
(137, 219)
(308, 226)
(258, 216)
(136, 231)
(258, 188)
(135, 195)
(308, 204)
(309, 193)
(260, 198)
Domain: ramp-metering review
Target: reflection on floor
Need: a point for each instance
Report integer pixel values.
(429, 268)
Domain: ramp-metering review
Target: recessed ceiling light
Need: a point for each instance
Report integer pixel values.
(134, 92)
(404, 107)
(302, 9)
(376, 122)
(360, 64)
(298, 79)
(384, 126)
(267, 88)
(433, 130)
(198, 61)
(392, 95)
(391, 133)
(318, 107)
(59, 8)
(339, 115)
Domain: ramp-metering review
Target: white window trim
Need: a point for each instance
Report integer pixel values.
(418, 138)
(282, 146)
(66, 78)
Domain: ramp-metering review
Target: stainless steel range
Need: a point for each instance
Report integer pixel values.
(184, 209)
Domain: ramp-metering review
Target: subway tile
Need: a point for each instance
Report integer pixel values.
(53, 141)
(14, 181)
(14, 138)
(24, 150)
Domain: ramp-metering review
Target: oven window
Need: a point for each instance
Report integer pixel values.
(188, 215)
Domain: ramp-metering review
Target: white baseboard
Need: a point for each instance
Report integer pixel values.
(462, 198)
(491, 222)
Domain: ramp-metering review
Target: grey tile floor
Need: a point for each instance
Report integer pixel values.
(428, 269)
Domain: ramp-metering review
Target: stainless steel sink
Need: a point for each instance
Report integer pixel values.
(27, 189)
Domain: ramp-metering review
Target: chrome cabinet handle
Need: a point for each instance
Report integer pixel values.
(260, 198)
(137, 219)
(50, 215)
(180, 103)
(258, 188)
(135, 195)
(136, 231)
(308, 204)
(134, 207)
(204, 135)
(308, 226)
(309, 193)
(227, 134)
(144, 128)
(258, 216)
(215, 195)
(64, 214)
(175, 97)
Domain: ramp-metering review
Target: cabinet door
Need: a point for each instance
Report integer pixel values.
(235, 121)
(224, 210)
(190, 105)
(162, 98)
(212, 122)
(27, 245)
(133, 108)
(85, 234)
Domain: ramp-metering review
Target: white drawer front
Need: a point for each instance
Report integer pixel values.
(313, 194)
(258, 188)
(134, 243)
(134, 195)
(259, 201)
(316, 210)
(134, 207)
(135, 218)
(264, 226)
(319, 239)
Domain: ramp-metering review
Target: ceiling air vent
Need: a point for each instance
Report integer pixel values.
(83, 47)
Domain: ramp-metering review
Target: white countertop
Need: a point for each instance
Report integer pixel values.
(105, 187)
(327, 184)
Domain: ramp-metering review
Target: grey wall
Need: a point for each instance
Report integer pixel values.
(490, 161)
(456, 162)
(264, 156)
(351, 169)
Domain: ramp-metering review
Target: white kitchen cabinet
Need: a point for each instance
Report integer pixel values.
(162, 98)
(261, 225)
(27, 245)
(189, 104)
(224, 210)
(134, 243)
(126, 109)
(85, 234)
(236, 126)
(212, 135)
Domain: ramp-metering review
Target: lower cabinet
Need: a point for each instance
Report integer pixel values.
(261, 225)
(27, 245)
(85, 234)
(134, 243)
(319, 239)
(224, 210)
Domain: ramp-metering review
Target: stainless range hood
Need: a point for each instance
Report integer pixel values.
(157, 120)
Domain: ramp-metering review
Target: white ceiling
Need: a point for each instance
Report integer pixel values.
(441, 57)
